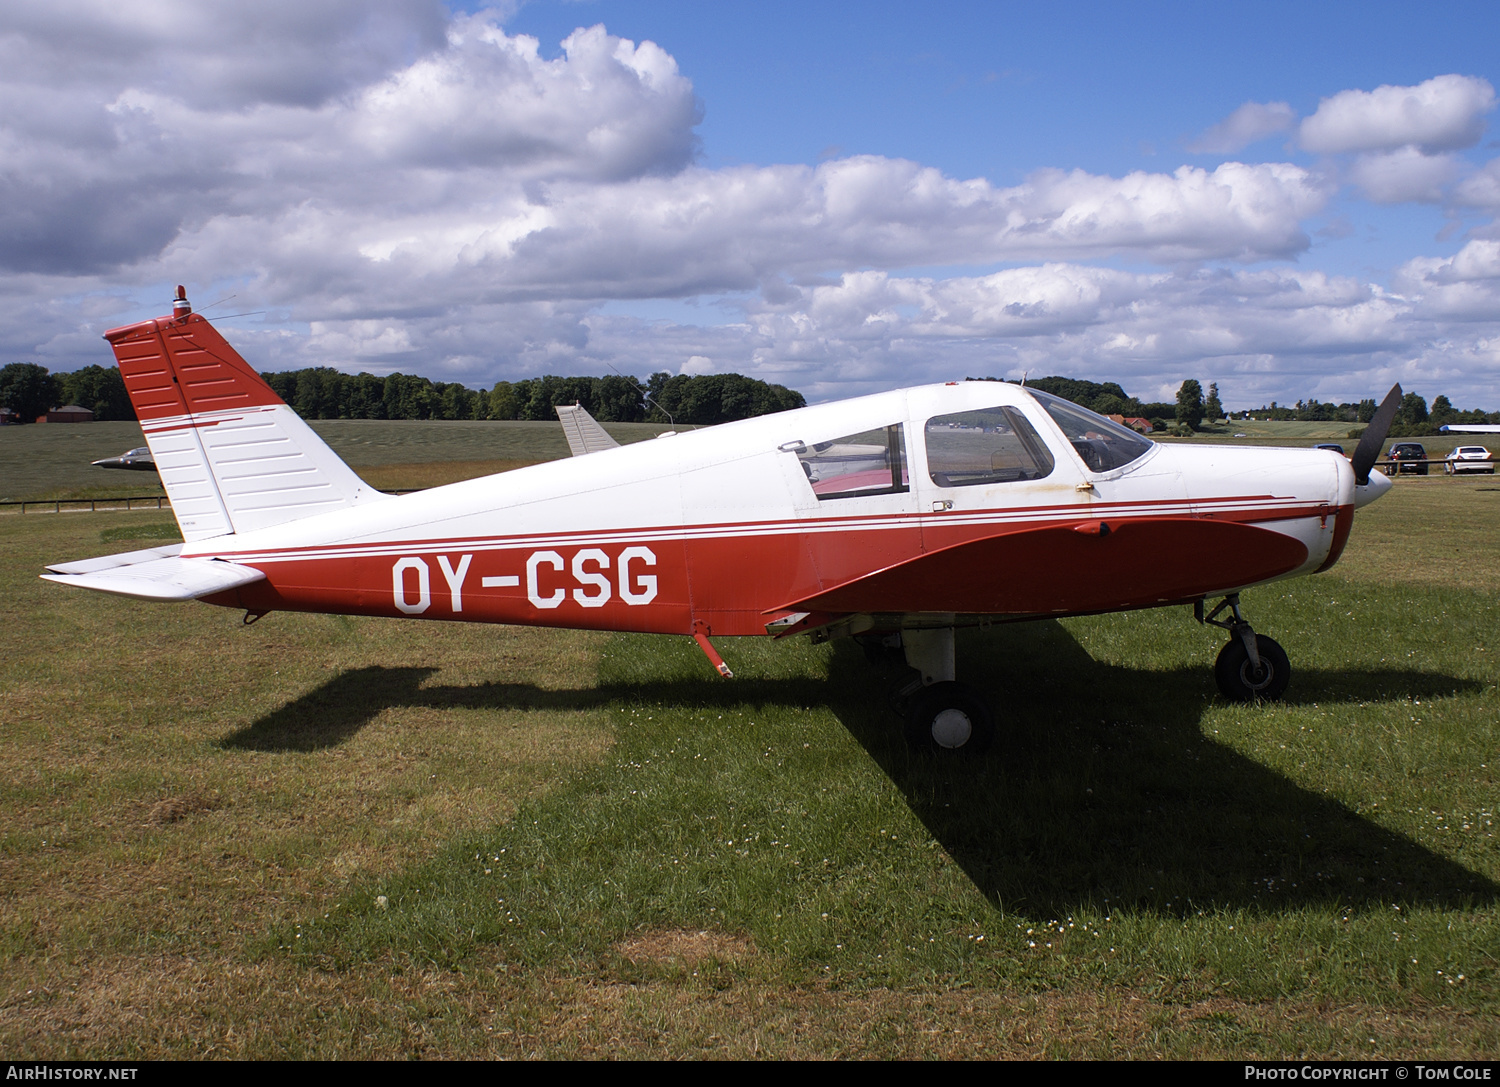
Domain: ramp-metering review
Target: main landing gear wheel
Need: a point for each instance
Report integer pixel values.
(1240, 681)
(949, 716)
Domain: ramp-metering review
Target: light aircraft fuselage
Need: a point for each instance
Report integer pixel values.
(904, 514)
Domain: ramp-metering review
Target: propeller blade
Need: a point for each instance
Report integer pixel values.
(1368, 450)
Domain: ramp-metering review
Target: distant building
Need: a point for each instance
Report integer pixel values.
(70, 414)
(7, 417)
(1134, 422)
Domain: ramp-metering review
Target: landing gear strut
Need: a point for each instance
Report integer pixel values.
(941, 714)
(1251, 666)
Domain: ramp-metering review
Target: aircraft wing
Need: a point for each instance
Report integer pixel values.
(585, 435)
(1096, 565)
(157, 573)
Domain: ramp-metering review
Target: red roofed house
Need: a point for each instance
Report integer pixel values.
(70, 414)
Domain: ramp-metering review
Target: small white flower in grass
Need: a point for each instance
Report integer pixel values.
(381, 902)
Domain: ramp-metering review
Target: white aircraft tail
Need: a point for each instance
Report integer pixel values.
(585, 435)
(232, 455)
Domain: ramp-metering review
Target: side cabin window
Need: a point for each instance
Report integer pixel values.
(1101, 443)
(992, 445)
(870, 462)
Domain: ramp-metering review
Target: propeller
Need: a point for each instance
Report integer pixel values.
(1368, 450)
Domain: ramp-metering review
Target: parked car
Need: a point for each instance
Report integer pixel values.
(1402, 456)
(1333, 446)
(1469, 458)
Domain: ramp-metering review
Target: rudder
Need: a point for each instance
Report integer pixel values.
(233, 457)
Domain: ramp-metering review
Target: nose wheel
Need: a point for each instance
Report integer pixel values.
(949, 717)
(1251, 667)
(942, 716)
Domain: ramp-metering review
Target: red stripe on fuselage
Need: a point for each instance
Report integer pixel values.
(1011, 568)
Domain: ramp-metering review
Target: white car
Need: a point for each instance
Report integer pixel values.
(1469, 458)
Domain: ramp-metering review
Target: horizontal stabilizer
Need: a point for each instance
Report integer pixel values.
(158, 573)
(109, 562)
(585, 435)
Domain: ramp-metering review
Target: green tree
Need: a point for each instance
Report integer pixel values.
(1413, 410)
(502, 401)
(28, 390)
(101, 389)
(1211, 407)
(1190, 404)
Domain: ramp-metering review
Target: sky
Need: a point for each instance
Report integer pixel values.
(1290, 200)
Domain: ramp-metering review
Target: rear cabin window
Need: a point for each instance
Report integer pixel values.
(870, 462)
(992, 445)
(1101, 443)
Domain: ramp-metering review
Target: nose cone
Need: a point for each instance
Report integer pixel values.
(1369, 492)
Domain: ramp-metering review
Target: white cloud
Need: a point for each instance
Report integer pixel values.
(216, 54)
(1481, 189)
(439, 197)
(1252, 122)
(1446, 113)
(705, 231)
(108, 174)
(1404, 175)
(1463, 287)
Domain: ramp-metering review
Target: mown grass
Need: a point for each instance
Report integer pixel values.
(594, 846)
(57, 461)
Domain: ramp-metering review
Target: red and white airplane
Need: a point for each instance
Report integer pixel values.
(896, 517)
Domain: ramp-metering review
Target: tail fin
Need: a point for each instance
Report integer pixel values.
(232, 456)
(584, 433)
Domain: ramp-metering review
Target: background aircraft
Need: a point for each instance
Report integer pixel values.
(894, 518)
(135, 460)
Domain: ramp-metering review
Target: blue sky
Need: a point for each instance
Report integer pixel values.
(1288, 199)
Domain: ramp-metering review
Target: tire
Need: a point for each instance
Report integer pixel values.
(949, 718)
(1237, 681)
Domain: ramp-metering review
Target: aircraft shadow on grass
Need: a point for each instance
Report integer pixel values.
(1101, 789)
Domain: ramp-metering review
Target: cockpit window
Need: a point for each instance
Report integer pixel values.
(1102, 444)
(991, 445)
(870, 462)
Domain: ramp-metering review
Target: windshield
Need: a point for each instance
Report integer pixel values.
(1102, 444)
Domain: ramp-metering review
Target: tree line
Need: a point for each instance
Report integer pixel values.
(1414, 418)
(1109, 398)
(29, 390)
(325, 393)
(1193, 408)
(702, 400)
(322, 392)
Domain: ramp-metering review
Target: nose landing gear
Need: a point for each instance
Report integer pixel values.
(941, 714)
(1251, 667)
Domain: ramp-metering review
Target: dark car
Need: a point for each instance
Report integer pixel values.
(1407, 457)
(1332, 447)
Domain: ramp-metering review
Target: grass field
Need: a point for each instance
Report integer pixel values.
(57, 461)
(327, 837)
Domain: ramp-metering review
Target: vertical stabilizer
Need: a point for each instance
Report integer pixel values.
(232, 455)
(585, 435)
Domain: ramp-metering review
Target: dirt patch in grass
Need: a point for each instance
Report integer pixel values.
(174, 809)
(182, 1006)
(685, 947)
